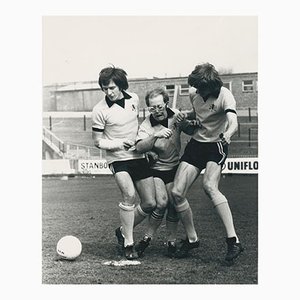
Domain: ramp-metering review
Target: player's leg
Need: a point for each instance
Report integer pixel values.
(144, 184)
(156, 216)
(126, 207)
(172, 220)
(161, 205)
(146, 190)
(185, 176)
(172, 217)
(211, 180)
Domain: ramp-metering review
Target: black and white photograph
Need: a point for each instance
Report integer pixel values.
(150, 150)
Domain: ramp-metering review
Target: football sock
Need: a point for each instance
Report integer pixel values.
(139, 215)
(171, 224)
(224, 212)
(186, 216)
(127, 220)
(172, 220)
(154, 222)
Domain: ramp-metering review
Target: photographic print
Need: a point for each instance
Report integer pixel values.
(150, 150)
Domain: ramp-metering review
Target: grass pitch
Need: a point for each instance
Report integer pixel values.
(87, 208)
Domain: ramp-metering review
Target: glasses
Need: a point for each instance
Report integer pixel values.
(157, 107)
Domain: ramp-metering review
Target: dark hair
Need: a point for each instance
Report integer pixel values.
(155, 92)
(206, 76)
(117, 75)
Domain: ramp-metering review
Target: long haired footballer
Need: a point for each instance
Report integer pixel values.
(215, 108)
(114, 129)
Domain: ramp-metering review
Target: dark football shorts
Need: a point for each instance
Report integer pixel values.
(165, 176)
(137, 168)
(198, 154)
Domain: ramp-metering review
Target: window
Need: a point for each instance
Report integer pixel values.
(247, 86)
(184, 89)
(227, 85)
(170, 88)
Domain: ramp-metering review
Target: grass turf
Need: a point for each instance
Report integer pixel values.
(87, 208)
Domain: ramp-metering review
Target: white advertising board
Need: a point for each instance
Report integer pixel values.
(245, 165)
(91, 166)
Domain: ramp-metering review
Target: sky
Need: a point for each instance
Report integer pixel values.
(76, 48)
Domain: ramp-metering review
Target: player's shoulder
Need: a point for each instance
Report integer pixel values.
(225, 91)
(226, 94)
(132, 95)
(193, 93)
(145, 126)
(192, 90)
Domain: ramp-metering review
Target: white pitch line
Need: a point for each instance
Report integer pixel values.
(121, 263)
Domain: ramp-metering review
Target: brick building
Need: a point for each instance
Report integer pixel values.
(82, 96)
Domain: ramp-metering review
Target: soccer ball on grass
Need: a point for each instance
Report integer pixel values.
(69, 247)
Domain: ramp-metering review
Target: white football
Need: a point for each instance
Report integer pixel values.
(69, 247)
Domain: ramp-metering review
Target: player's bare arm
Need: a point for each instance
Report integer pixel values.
(147, 144)
(231, 128)
(112, 145)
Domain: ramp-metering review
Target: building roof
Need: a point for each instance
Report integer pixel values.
(77, 86)
(93, 85)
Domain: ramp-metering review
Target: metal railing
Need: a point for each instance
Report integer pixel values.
(250, 113)
(56, 144)
(70, 151)
(252, 140)
(75, 151)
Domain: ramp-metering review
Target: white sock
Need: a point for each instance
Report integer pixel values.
(127, 220)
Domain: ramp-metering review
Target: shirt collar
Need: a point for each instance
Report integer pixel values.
(213, 94)
(204, 98)
(164, 122)
(120, 102)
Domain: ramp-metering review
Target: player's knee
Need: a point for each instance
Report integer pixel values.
(210, 188)
(177, 196)
(162, 202)
(129, 198)
(219, 199)
(160, 209)
(148, 206)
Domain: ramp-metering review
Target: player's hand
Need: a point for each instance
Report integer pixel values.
(225, 138)
(180, 116)
(129, 144)
(164, 133)
(152, 157)
(195, 123)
